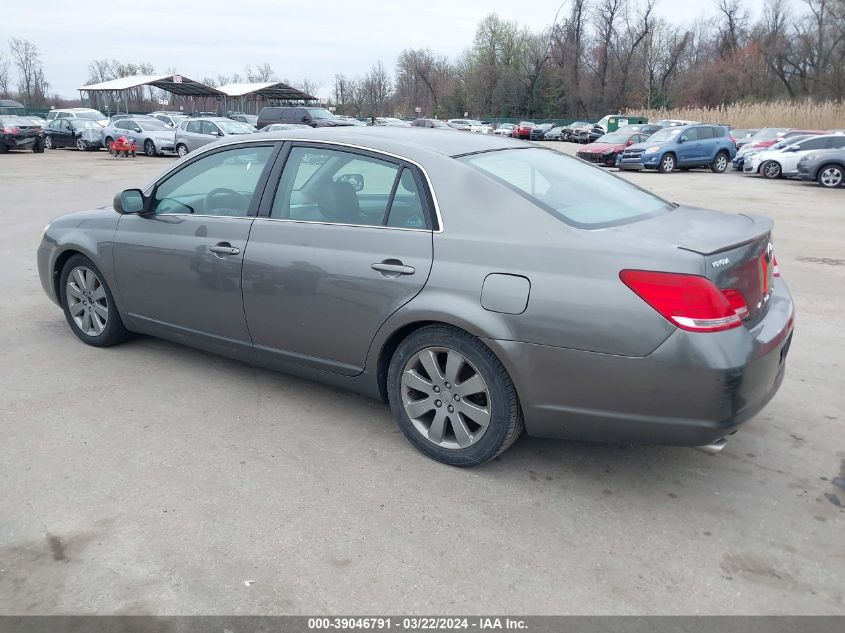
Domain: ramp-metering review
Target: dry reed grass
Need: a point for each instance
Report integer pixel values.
(822, 115)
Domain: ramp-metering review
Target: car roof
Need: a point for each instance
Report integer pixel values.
(408, 142)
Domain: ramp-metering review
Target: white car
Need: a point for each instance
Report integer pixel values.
(781, 161)
(473, 125)
(78, 113)
(505, 129)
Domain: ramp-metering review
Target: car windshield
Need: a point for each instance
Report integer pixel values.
(474, 122)
(790, 141)
(153, 124)
(614, 139)
(768, 133)
(571, 190)
(91, 115)
(235, 127)
(320, 113)
(666, 134)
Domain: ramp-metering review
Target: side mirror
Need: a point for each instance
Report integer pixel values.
(630, 142)
(793, 148)
(130, 201)
(682, 139)
(356, 180)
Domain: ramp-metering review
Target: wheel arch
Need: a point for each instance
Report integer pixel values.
(388, 343)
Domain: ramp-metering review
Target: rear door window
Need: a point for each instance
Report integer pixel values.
(571, 190)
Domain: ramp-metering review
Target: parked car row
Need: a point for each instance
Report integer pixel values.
(806, 155)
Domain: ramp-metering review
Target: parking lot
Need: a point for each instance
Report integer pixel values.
(151, 478)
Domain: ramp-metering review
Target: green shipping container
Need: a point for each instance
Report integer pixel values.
(615, 122)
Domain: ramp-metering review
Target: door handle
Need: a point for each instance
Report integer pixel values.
(224, 248)
(393, 268)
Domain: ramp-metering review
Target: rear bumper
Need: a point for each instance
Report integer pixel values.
(691, 391)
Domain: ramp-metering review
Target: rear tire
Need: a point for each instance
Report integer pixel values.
(831, 176)
(38, 148)
(771, 169)
(447, 414)
(88, 304)
(720, 163)
(667, 164)
(48, 142)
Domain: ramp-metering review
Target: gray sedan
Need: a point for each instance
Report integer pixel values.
(477, 284)
(194, 132)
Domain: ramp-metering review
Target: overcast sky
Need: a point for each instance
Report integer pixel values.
(308, 38)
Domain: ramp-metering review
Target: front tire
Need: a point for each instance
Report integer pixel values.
(452, 398)
(181, 150)
(667, 164)
(720, 163)
(831, 176)
(150, 148)
(82, 145)
(771, 170)
(38, 148)
(88, 304)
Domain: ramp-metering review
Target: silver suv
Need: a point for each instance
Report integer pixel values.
(194, 132)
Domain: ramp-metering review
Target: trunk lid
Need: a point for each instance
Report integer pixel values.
(737, 249)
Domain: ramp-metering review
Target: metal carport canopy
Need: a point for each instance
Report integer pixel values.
(174, 84)
(268, 90)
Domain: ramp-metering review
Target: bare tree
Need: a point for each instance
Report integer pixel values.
(32, 85)
(4, 76)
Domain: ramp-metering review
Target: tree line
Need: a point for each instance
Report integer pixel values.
(596, 57)
(608, 56)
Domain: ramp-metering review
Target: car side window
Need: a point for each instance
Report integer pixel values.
(407, 210)
(222, 183)
(691, 135)
(207, 127)
(193, 127)
(338, 187)
(813, 143)
(836, 142)
(705, 133)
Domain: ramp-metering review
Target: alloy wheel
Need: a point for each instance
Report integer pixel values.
(772, 169)
(48, 142)
(81, 145)
(87, 301)
(668, 163)
(721, 163)
(831, 177)
(446, 398)
(182, 150)
(149, 148)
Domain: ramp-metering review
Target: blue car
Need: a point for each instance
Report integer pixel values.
(682, 147)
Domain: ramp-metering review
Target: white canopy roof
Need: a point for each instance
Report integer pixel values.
(176, 84)
(268, 90)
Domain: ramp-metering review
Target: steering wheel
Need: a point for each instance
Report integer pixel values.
(234, 202)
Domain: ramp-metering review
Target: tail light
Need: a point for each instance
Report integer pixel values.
(11, 129)
(690, 302)
(775, 269)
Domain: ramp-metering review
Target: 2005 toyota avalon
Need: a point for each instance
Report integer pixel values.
(478, 284)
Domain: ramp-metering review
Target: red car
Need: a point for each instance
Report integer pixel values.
(523, 130)
(605, 150)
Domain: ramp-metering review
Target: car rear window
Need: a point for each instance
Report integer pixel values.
(577, 193)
